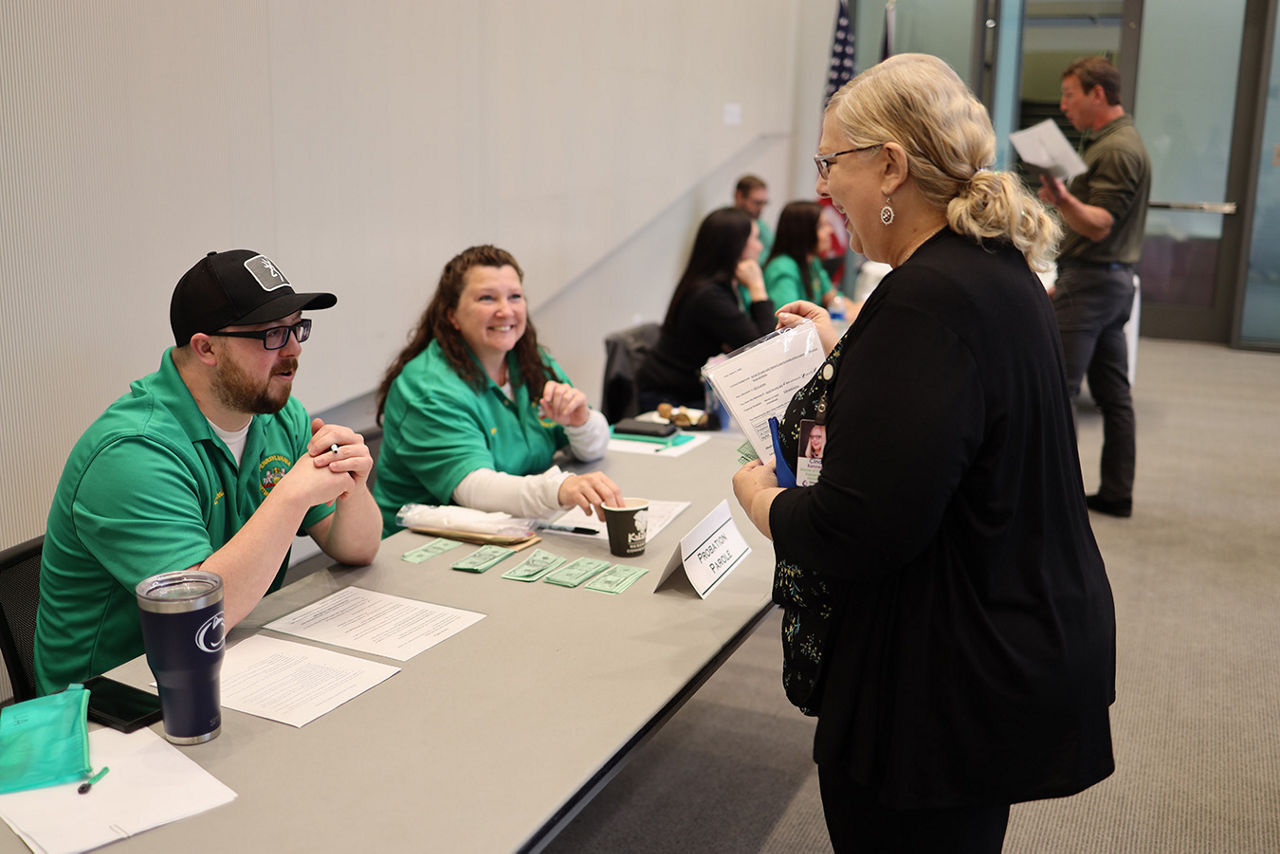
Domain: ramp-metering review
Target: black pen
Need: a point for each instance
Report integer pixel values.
(564, 529)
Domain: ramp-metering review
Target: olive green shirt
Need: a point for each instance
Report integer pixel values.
(1118, 179)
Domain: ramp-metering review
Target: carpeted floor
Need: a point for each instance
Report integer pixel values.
(1197, 719)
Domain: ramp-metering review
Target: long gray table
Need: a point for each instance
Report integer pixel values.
(493, 739)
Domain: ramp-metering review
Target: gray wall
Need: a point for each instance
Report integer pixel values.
(360, 146)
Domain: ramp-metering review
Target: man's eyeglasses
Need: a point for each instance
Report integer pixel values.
(275, 337)
(824, 161)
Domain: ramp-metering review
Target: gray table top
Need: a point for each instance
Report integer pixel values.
(483, 741)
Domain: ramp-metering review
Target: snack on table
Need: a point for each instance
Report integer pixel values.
(682, 416)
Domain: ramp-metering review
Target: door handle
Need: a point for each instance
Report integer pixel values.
(1207, 207)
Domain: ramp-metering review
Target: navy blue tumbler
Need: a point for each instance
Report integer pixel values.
(183, 631)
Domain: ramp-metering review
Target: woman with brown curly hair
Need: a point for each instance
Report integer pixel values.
(473, 410)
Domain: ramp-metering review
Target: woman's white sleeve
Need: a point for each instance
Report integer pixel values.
(589, 442)
(532, 496)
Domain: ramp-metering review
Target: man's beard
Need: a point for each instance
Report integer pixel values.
(237, 391)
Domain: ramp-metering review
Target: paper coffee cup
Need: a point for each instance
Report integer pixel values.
(628, 527)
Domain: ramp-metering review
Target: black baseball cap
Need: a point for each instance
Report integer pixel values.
(237, 287)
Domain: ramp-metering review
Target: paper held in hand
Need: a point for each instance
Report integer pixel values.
(708, 553)
(757, 381)
(1045, 150)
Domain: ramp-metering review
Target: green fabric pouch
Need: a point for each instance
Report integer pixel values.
(45, 741)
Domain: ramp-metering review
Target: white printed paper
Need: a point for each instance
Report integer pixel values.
(756, 382)
(660, 515)
(293, 683)
(1043, 148)
(378, 623)
(653, 449)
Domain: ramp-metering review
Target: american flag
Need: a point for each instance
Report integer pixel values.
(840, 72)
(841, 69)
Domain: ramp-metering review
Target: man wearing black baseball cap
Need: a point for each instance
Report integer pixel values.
(209, 463)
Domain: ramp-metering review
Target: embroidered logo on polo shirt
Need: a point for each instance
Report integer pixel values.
(542, 419)
(270, 470)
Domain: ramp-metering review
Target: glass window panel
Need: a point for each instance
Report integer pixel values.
(942, 29)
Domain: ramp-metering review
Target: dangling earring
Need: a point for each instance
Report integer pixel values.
(886, 212)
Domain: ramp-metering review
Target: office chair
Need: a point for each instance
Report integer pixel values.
(19, 596)
(624, 351)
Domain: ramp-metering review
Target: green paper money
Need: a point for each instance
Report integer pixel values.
(483, 558)
(575, 572)
(616, 579)
(534, 566)
(435, 547)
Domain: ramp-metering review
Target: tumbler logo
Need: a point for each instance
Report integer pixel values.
(209, 636)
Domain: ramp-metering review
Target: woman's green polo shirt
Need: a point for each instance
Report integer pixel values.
(437, 429)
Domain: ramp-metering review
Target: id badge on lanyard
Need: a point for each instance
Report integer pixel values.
(813, 439)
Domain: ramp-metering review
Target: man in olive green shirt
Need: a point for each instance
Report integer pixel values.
(208, 462)
(1105, 211)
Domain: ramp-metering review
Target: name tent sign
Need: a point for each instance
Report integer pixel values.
(709, 552)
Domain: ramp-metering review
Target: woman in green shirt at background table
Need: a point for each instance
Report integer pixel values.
(801, 238)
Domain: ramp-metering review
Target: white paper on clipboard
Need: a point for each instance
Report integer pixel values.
(756, 381)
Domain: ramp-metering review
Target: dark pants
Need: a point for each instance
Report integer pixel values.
(1093, 303)
(858, 825)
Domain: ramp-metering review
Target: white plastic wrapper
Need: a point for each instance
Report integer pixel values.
(453, 518)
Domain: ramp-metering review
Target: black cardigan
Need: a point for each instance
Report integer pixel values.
(708, 321)
(974, 659)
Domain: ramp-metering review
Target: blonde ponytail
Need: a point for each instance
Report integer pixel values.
(997, 205)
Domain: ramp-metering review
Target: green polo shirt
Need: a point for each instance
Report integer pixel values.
(782, 281)
(149, 488)
(437, 429)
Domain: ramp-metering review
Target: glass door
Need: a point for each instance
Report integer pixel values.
(1185, 108)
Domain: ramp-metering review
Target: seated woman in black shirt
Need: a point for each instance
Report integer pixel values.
(706, 315)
